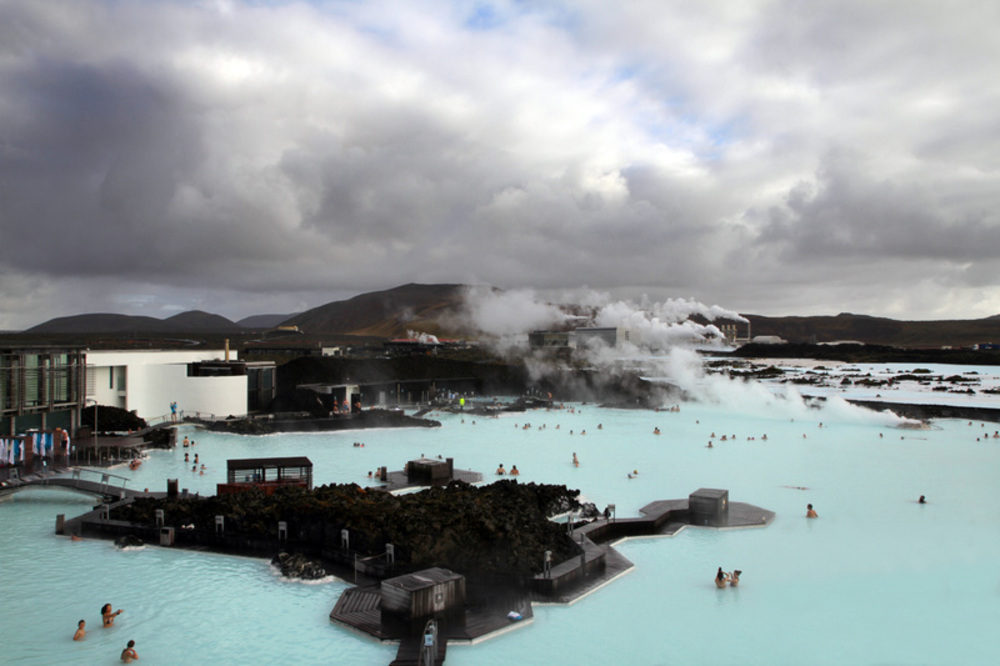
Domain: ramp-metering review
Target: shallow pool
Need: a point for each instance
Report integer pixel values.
(877, 579)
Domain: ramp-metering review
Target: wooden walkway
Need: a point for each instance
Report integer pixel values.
(410, 649)
(104, 489)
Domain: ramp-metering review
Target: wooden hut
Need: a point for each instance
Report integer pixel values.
(709, 506)
(426, 593)
(268, 474)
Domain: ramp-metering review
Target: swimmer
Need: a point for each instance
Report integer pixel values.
(108, 616)
(81, 631)
(514, 471)
(187, 457)
(500, 470)
(656, 431)
(734, 578)
(576, 461)
(129, 654)
(720, 579)
(187, 443)
(922, 500)
(709, 444)
(810, 512)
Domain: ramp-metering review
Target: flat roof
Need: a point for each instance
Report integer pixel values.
(254, 463)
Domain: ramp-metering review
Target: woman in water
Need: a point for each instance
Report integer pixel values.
(734, 578)
(129, 654)
(108, 616)
(720, 579)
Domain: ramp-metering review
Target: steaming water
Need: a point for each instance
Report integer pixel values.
(877, 579)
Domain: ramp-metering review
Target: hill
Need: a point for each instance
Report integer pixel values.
(264, 321)
(186, 322)
(385, 314)
(878, 330)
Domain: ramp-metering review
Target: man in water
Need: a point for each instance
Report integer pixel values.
(810, 513)
(81, 631)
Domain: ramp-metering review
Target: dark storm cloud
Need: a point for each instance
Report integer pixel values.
(239, 157)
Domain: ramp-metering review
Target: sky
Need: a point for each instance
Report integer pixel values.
(776, 157)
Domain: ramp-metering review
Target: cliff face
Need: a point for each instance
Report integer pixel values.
(502, 528)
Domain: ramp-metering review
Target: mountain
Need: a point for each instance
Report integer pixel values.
(185, 322)
(878, 330)
(387, 314)
(262, 321)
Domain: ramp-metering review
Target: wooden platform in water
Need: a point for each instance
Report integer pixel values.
(485, 612)
(486, 608)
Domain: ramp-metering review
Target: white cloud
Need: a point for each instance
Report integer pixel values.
(768, 155)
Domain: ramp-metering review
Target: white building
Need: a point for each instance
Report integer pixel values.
(147, 382)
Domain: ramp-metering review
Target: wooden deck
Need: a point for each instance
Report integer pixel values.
(399, 481)
(485, 613)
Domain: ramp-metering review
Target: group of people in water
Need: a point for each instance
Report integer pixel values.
(514, 471)
(725, 579)
(108, 616)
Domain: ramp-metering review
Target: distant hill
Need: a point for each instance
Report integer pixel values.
(186, 322)
(264, 321)
(878, 330)
(429, 308)
(386, 314)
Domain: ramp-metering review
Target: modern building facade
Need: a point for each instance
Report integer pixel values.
(200, 382)
(41, 388)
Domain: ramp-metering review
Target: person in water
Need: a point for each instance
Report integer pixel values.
(720, 579)
(500, 470)
(810, 512)
(734, 578)
(108, 616)
(922, 500)
(514, 471)
(129, 654)
(81, 631)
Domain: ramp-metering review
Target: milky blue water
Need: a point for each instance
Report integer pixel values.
(876, 579)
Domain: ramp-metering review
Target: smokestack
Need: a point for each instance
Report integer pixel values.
(227, 350)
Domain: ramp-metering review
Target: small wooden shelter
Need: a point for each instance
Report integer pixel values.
(426, 593)
(268, 474)
(709, 506)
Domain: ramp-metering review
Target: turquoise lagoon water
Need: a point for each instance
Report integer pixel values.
(877, 579)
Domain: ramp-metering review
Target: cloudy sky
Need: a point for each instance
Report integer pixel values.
(245, 157)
